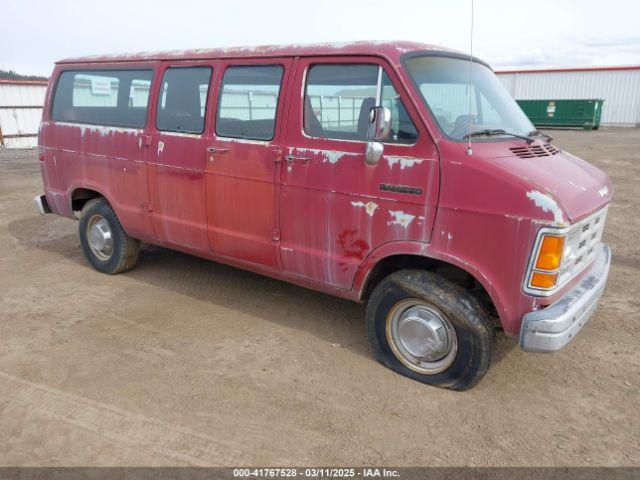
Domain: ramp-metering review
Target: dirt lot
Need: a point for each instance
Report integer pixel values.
(183, 361)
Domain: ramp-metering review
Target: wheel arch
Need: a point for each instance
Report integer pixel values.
(79, 196)
(133, 218)
(395, 256)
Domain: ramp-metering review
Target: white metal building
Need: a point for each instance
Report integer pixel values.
(618, 86)
(21, 104)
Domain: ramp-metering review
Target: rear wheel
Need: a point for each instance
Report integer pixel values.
(104, 242)
(426, 328)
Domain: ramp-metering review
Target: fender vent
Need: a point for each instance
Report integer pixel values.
(532, 151)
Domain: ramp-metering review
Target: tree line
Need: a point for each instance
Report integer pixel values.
(11, 75)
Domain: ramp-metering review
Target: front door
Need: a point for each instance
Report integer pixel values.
(334, 208)
(177, 155)
(242, 158)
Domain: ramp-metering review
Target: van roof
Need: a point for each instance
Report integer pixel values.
(391, 50)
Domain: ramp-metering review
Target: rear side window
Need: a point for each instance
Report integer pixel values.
(182, 104)
(339, 98)
(248, 102)
(103, 97)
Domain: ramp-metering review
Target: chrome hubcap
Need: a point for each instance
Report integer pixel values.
(421, 336)
(100, 237)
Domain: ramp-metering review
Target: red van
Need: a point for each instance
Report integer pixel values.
(397, 174)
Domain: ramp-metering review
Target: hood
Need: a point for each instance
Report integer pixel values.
(576, 186)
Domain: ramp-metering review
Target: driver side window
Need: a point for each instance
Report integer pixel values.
(402, 128)
(339, 97)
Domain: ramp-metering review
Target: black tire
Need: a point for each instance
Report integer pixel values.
(471, 323)
(124, 249)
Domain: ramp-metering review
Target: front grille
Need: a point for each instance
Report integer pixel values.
(581, 245)
(582, 242)
(533, 151)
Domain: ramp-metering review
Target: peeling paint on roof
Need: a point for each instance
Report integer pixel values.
(386, 48)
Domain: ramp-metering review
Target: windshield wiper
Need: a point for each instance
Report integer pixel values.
(548, 138)
(497, 131)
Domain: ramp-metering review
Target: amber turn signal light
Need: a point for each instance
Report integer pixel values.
(550, 253)
(544, 280)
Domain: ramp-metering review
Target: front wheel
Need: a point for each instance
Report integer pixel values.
(426, 328)
(104, 242)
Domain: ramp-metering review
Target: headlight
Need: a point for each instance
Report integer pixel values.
(559, 254)
(548, 260)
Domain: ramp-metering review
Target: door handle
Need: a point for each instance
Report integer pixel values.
(217, 150)
(295, 158)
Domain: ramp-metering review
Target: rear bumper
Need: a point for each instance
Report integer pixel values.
(42, 205)
(551, 328)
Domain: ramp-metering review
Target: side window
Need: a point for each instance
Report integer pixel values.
(103, 97)
(402, 128)
(139, 93)
(183, 99)
(93, 90)
(248, 101)
(339, 98)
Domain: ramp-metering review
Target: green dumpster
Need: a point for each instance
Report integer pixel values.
(563, 113)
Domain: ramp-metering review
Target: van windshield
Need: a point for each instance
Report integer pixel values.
(455, 101)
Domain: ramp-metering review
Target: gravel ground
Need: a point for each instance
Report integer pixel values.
(187, 362)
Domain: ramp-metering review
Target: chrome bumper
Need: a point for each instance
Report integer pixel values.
(551, 328)
(41, 204)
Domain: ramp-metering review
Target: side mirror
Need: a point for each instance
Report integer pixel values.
(379, 123)
(378, 129)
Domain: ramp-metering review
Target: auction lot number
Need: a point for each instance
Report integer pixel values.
(315, 473)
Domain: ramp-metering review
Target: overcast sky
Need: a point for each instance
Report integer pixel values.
(516, 33)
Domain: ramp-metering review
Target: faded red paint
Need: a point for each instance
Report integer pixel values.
(325, 223)
(352, 246)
